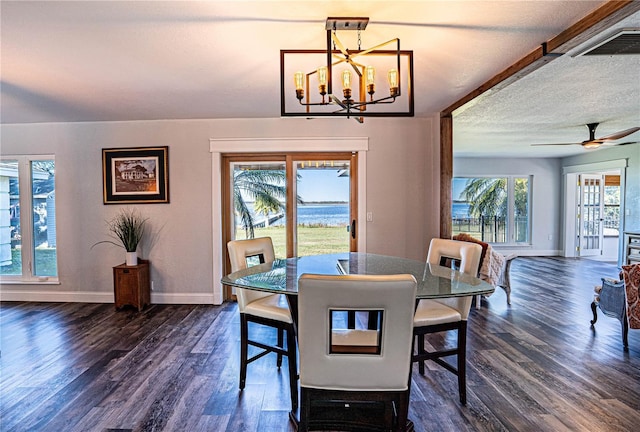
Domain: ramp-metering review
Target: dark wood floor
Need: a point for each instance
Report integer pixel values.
(534, 366)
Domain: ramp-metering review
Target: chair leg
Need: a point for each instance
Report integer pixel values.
(462, 362)
(280, 344)
(351, 319)
(625, 331)
(372, 321)
(244, 349)
(507, 278)
(507, 289)
(595, 313)
(305, 401)
(293, 368)
(401, 408)
(421, 351)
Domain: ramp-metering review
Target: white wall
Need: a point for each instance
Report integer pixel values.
(546, 197)
(402, 193)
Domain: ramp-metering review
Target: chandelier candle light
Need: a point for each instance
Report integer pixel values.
(357, 77)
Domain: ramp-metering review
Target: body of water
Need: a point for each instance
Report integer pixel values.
(338, 214)
(460, 210)
(319, 214)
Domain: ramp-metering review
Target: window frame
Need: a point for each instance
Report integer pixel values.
(511, 196)
(25, 188)
(511, 206)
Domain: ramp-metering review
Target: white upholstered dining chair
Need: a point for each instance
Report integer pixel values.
(263, 308)
(438, 315)
(355, 379)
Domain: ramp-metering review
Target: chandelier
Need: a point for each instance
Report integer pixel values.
(344, 82)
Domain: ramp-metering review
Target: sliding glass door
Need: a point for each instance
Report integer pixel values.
(306, 202)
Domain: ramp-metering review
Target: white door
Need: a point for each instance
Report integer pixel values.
(590, 214)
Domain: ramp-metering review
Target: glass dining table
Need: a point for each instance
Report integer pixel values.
(281, 276)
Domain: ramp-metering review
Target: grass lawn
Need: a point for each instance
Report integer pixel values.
(45, 263)
(312, 240)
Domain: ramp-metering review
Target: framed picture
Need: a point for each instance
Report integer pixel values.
(135, 175)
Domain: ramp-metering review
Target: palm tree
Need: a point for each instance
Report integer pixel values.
(521, 196)
(486, 196)
(267, 188)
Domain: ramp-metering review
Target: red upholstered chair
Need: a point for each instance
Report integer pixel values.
(433, 316)
(265, 309)
(631, 278)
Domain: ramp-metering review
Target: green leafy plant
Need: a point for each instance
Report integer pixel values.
(127, 227)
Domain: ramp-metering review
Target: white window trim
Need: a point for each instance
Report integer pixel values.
(26, 220)
(272, 145)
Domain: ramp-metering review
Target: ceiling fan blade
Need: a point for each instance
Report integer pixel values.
(619, 135)
(594, 143)
(553, 144)
(627, 143)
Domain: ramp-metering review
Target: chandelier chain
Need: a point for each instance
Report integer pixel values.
(359, 40)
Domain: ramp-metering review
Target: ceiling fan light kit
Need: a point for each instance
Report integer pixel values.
(356, 71)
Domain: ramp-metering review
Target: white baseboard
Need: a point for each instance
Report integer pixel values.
(183, 298)
(528, 252)
(56, 296)
(97, 297)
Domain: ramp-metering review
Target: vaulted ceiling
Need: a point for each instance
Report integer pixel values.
(131, 60)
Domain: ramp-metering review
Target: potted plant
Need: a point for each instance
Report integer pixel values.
(127, 230)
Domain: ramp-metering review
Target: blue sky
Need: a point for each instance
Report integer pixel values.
(457, 186)
(322, 185)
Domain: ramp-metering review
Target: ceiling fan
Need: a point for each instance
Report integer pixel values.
(594, 143)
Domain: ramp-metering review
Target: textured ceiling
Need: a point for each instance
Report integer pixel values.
(554, 104)
(120, 61)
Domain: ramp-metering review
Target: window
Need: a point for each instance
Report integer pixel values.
(612, 205)
(27, 238)
(492, 209)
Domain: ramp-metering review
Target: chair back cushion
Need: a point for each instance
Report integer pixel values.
(240, 251)
(631, 277)
(388, 369)
(466, 252)
(469, 256)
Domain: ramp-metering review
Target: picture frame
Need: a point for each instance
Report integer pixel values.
(136, 175)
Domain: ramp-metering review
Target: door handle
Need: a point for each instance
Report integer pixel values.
(353, 229)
